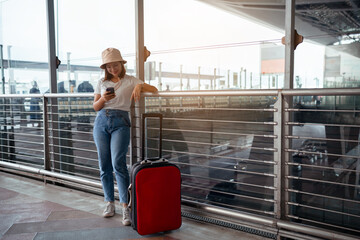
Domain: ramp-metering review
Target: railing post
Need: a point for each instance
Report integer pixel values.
(53, 79)
(46, 135)
(140, 72)
(134, 132)
(278, 167)
(199, 76)
(181, 79)
(228, 79)
(289, 43)
(287, 102)
(52, 47)
(213, 87)
(159, 77)
(2, 68)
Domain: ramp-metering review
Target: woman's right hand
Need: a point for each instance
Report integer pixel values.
(100, 100)
(107, 96)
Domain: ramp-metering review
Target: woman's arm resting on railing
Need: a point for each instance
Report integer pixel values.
(142, 88)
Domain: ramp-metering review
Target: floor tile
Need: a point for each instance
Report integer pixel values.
(23, 236)
(92, 234)
(70, 214)
(7, 194)
(63, 225)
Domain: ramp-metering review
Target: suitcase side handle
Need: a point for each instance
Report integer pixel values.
(130, 197)
(143, 117)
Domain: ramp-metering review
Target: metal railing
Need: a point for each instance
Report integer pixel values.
(284, 159)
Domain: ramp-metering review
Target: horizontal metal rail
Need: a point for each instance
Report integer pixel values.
(236, 170)
(323, 196)
(77, 174)
(24, 155)
(22, 148)
(322, 209)
(233, 194)
(322, 110)
(188, 199)
(321, 92)
(215, 144)
(27, 164)
(321, 153)
(21, 141)
(77, 157)
(235, 208)
(220, 121)
(26, 134)
(323, 139)
(18, 112)
(224, 157)
(322, 167)
(208, 132)
(75, 148)
(328, 235)
(239, 183)
(71, 113)
(76, 165)
(320, 181)
(322, 124)
(68, 131)
(17, 126)
(72, 139)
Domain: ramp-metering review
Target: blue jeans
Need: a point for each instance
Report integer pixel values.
(112, 137)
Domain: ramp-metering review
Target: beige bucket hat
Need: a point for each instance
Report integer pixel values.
(111, 55)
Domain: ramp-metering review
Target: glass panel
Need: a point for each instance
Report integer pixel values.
(329, 56)
(217, 143)
(83, 35)
(24, 39)
(23, 36)
(325, 162)
(196, 46)
(84, 30)
(21, 131)
(71, 143)
(225, 154)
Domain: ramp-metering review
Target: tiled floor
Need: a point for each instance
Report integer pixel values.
(29, 210)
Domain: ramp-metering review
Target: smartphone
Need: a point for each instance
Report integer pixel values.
(110, 90)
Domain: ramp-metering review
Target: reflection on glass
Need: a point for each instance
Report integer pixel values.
(225, 154)
(325, 161)
(196, 46)
(80, 40)
(329, 58)
(24, 44)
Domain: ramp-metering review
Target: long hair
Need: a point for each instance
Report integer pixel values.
(108, 75)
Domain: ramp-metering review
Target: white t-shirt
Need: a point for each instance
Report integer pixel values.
(122, 94)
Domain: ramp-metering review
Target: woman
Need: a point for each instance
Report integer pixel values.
(112, 126)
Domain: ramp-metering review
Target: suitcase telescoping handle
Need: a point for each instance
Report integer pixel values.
(143, 135)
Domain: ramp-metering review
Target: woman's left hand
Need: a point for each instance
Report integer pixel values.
(136, 92)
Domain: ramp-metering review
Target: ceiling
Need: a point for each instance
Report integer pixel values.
(322, 21)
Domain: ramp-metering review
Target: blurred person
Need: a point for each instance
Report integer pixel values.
(112, 100)
(85, 86)
(34, 103)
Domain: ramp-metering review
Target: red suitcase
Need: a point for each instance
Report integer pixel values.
(155, 191)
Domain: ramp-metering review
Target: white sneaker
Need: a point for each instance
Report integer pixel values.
(109, 210)
(126, 216)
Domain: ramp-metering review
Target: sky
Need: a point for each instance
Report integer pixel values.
(86, 27)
